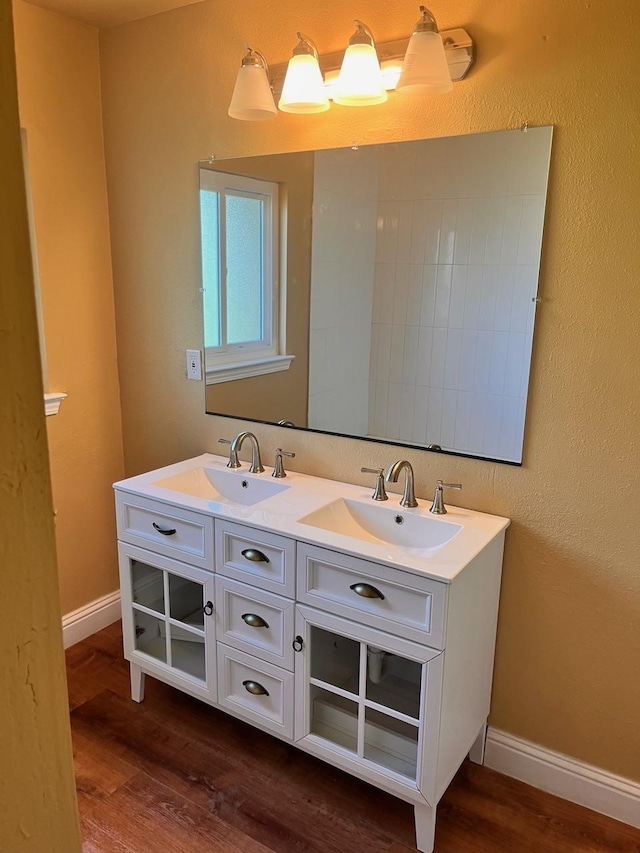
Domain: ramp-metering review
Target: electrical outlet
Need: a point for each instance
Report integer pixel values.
(194, 364)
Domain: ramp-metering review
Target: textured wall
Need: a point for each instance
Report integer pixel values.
(568, 651)
(59, 96)
(36, 775)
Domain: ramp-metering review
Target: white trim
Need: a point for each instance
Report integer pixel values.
(563, 776)
(95, 616)
(52, 403)
(246, 369)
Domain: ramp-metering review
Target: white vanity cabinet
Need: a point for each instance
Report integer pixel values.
(379, 669)
(168, 622)
(367, 701)
(255, 606)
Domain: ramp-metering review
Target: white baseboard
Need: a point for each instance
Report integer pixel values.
(93, 617)
(563, 776)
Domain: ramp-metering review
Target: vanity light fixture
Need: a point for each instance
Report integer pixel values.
(425, 67)
(360, 81)
(303, 89)
(428, 62)
(252, 98)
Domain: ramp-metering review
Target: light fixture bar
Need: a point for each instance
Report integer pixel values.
(458, 47)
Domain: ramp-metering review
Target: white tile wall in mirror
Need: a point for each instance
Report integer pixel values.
(423, 276)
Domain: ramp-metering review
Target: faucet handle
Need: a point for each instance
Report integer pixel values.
(233, 462)
(457, 486)
(380, 493)
(438, 507)
(278, 467)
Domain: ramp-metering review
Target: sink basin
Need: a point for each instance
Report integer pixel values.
(410, 529)
(222, 486)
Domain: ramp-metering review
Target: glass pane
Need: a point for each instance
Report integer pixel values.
(150, 635)
(393, 681)
(147, 586)
(335, 659)
(334, 718)
(209, 224)
(244, 269)
(187, 652)
(391, 743)
(186, 601)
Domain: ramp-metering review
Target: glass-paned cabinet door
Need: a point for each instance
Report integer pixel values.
(363, 696)
(168, 617)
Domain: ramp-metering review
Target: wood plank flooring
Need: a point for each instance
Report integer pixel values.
(173, 774)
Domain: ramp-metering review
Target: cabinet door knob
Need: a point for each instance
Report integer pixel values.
(298, 644)
(255, 688)
(166, 531)
(208, 608)
(254, 621)
(254, 555)
(366, 590)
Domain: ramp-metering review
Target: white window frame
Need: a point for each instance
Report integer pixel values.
(236, 361)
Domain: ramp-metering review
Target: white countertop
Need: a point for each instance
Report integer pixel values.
(305, 494)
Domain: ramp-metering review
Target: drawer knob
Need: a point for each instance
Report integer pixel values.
(254, 621)
(254, 555)
(166, 531)
(255, 688)
(208, 608)
(366, 590)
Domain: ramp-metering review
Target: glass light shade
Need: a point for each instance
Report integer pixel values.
(252, 98)
(360, 82)
(303, 90)
(425, 67)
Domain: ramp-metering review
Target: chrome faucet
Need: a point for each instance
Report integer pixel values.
(278, 467)
(438, 507)
(233, 454)
(256, 464)
(379, 493)
(393, 472)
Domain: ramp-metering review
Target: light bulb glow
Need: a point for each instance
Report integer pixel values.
(425, 68)
(391, 71)
(360, 82)
(303, 90)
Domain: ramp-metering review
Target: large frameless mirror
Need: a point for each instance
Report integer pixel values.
(386, 292)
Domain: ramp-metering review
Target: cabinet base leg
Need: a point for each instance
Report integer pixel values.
(425, 818)
(476, 753)
(137, 682)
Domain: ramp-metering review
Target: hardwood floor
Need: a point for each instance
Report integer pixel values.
(173, 774)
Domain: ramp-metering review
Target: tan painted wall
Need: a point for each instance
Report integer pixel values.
(280, 396)
(37, 789)
(568, 652)
(59, 95)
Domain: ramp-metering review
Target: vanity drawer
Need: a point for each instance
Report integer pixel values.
(256, 691)
(256, 557)
(168, 530)
(392, 600)
(255, 621)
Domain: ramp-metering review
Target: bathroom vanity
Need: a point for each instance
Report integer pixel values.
(360, 631)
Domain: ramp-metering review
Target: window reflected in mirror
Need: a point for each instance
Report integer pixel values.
(240, 283)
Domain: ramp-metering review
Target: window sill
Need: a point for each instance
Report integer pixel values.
(52, 403)
(246, 369)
